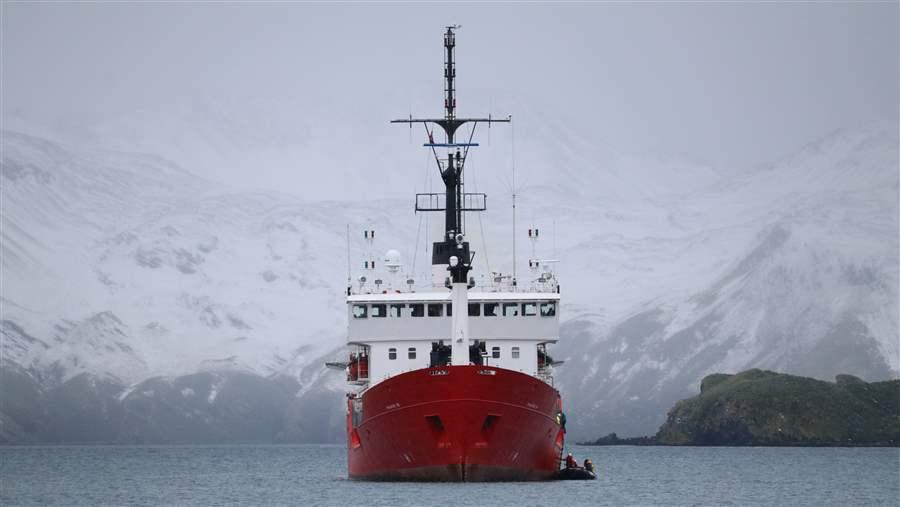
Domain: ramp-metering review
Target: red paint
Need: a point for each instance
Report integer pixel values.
(456, 423)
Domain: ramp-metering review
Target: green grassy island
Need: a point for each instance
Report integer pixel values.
(759, 407)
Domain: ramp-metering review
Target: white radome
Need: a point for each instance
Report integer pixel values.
(392, 260)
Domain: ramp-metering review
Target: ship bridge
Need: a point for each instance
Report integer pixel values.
(409, 331)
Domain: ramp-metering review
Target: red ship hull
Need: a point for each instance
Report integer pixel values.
(454, 424)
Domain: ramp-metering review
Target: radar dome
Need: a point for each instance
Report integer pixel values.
(392, 260)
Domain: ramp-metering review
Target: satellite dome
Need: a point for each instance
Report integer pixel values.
(392, 260)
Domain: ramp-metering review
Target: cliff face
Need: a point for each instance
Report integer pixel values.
(759, 407)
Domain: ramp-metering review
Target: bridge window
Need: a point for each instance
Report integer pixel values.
(435, 310)
(491, 309)
(417, 309)
(379, 310)
(495, 352)
(392, 353)
(411, 353)
(515, 352)
(359, 311)
(474, 310)
(529, 309)
(449, 309)
(548, 309)
(395, 310)
(510, 309)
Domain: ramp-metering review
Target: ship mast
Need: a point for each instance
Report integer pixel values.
(454, 201)
(452, 252)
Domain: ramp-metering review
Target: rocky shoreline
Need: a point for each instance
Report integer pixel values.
(765, 408)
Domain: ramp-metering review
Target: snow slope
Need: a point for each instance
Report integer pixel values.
(792, 268)
(125, 267)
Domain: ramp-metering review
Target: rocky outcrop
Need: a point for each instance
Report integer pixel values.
(759, 407)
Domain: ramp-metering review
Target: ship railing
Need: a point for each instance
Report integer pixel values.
(504, 285)
(537, 288)
(438, 202)
(546, 375)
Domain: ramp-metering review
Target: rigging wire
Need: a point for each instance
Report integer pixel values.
(513, 143)
(419, 227)
(416, 247)
(428, 188)
(349, 270)
(462, 166)
(487, 261)
(430, 135)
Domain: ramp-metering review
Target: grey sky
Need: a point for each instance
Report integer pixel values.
(731, 84)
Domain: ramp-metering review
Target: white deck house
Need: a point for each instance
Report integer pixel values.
(399, 332)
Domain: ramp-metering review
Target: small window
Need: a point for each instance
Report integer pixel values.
(395, 310)
(435, 310)
(378, 310)
(529, 309)
(417, 310)
(474, 310)
(392, 353)
(548, 309)
(510, 309)
(449, 309)
(359, 311)
(411, 353)
(515, 352)
(495, 352)
(491, 309)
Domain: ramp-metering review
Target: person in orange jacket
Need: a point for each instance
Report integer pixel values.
(570, 461)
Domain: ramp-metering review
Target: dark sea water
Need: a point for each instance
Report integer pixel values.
(316, 475)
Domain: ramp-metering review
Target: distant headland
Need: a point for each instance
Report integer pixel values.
(759, 408)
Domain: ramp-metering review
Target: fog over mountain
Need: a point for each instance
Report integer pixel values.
(125, 276)
(174, 256)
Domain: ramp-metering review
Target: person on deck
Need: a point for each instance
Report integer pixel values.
(588, 464)
(570, 461)
(561, 419)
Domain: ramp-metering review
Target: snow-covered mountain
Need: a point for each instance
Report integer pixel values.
(125, 268)
(793, 267)
(130, 285)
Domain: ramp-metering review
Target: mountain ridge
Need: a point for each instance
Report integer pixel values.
(127, 267)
